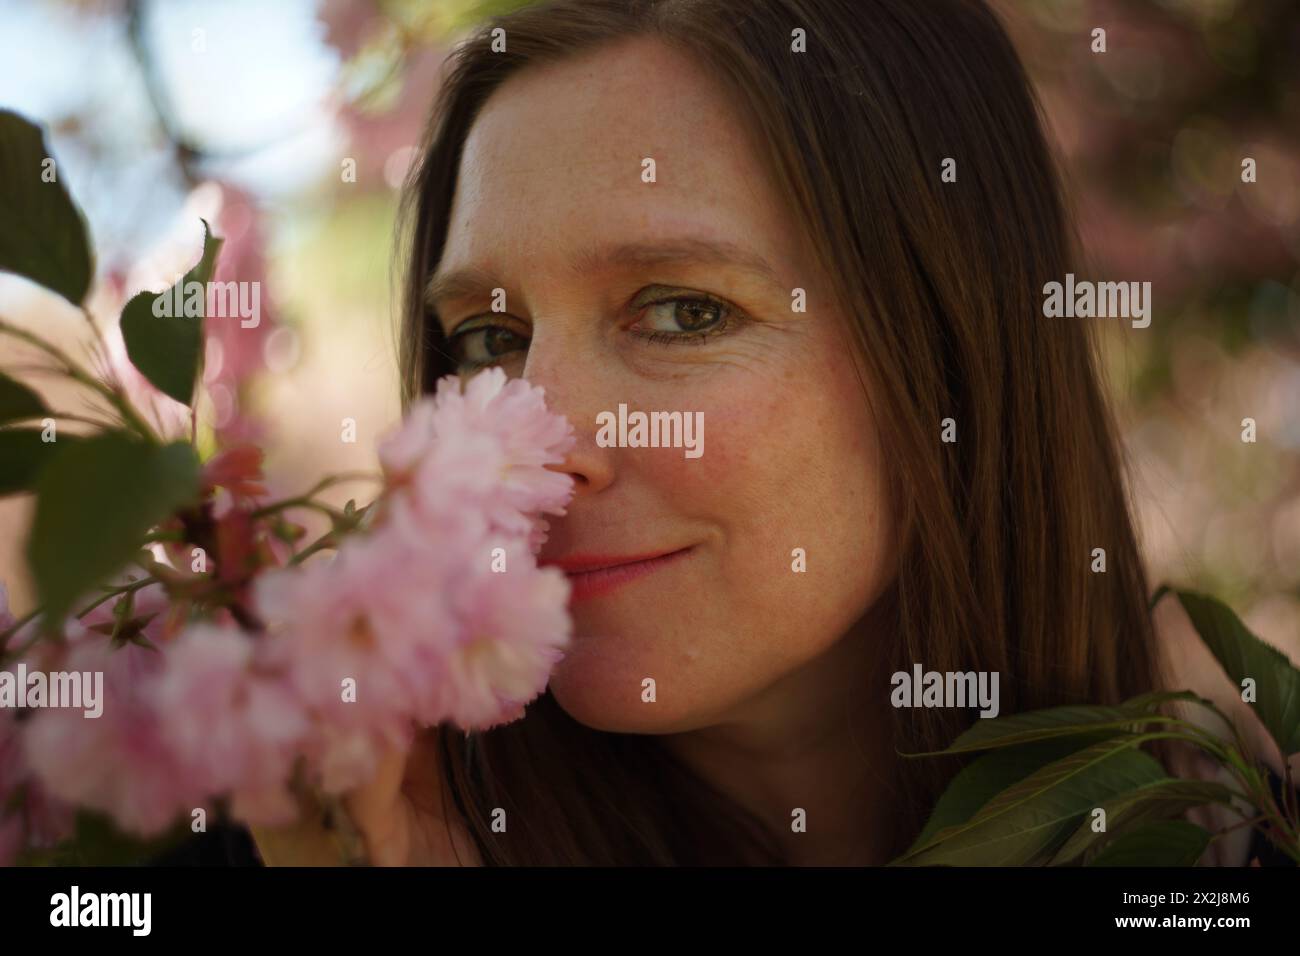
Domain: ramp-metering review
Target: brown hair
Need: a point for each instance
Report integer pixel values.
(942, 282)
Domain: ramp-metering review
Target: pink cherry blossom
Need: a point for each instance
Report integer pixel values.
(236, 730)
(486, 447)
(437, 612)
(118, 763)
(371, 620)
(508, 621)
(513, 626)
(13, 774)
(424, 625)
(40, 820)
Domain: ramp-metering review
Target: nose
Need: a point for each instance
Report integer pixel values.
(573, 390)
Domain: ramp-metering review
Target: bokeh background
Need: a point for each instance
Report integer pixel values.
(252, 115)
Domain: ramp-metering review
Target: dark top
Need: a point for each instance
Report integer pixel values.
(230, 845)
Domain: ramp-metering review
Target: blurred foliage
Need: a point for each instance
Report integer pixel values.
(1152, 135)
(373, 77)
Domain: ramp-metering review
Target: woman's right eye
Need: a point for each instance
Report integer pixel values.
(483, 345)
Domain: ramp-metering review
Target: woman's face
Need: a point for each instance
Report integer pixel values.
(675, 295)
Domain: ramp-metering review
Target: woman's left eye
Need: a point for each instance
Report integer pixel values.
(684, 319)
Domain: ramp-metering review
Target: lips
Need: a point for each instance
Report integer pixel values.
(595, 574)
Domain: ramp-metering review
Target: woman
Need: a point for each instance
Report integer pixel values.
(825, 225)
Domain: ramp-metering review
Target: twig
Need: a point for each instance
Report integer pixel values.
(80, 375)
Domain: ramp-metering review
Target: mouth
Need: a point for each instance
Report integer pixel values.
(593, 575)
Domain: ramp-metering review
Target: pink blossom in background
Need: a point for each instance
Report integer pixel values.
(238, 469)
(118, 763)
(63, 758)
(40, 821)
(236, 352)
(234, 729)
(243, 259)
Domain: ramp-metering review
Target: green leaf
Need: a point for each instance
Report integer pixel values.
(168, 349)
(1029, 819)
(1016, 729)
(1243, 655)
(1166, 843)
(18, 402)
(95, 501)
(987, 776)
(44, 237)
(1157, 801)
(207, 264)
(23, 455)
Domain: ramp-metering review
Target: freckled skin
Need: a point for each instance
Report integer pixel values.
(791, 457)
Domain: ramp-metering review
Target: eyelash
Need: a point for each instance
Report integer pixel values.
(730, 316)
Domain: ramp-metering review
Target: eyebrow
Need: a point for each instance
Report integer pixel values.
(471, 282)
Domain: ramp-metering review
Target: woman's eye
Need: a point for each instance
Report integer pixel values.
(683, 318)
(484, 345)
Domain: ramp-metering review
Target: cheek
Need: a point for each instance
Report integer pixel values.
(783, 469)
(791, 462)
(805, 531)
(687, 633)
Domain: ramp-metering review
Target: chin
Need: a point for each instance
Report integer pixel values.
(606, 695)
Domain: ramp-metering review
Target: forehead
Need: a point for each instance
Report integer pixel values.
(554, 162)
